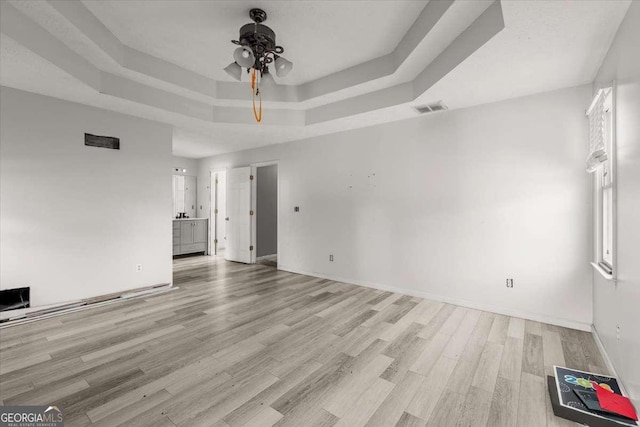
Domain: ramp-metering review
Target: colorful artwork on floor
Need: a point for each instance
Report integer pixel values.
(568, 381)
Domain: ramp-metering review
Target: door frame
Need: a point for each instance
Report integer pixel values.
(212, 248)
(254, 205)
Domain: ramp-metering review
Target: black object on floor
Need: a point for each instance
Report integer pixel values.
(578, 416)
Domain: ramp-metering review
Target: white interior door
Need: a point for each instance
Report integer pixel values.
(239, 221)
(218, 211)
(221, 232)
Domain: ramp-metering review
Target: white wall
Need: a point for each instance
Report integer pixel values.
(620, 304)
(191, 165)
(75, 220)
(447, 206)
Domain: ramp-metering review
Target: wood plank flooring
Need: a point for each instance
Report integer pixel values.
(241, 345)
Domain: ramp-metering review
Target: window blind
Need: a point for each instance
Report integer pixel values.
(597, 149)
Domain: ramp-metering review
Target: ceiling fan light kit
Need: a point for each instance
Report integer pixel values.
(257, 49)
(283, 66)
(267, 79)
(244, 57)
(234, 70)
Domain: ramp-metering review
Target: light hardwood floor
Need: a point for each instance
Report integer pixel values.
(242, 345)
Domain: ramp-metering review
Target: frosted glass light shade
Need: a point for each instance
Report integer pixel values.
(234, 70)
(283, 66)
(267, 79)
(244, 56)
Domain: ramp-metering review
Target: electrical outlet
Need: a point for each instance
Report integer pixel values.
(618, 332)
(331, 258)
(138, 268)
(509, 283)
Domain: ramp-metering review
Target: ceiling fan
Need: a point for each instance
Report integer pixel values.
(257, 50)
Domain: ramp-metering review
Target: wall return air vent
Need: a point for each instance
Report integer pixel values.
(430, 108)
(110, 142)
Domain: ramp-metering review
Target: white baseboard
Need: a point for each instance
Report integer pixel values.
(603, 351)
(44, 312)
(455, 301)
(607, 359)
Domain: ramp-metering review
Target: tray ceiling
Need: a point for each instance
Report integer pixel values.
(321, 37)
(157, 60)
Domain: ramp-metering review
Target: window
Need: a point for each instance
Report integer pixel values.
(604, 176)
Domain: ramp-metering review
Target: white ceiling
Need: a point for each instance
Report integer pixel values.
(544, 45)
(322, 37)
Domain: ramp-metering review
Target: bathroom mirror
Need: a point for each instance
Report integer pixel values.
(184, 195)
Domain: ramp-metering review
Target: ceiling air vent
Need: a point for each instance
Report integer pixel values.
(430, 108)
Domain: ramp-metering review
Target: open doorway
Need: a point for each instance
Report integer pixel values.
(218, 213)
(267, 215)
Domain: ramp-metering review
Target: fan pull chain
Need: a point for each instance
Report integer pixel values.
(255, 91)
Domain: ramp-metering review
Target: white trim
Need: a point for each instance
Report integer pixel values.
(267, 163)
(600, 270)
(610, 89)
(254, 203)
(80, 305)
(607, 359)
(254, 207)
(614, 177)
(582, 326)
(212, 222)
(596, 97)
